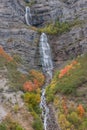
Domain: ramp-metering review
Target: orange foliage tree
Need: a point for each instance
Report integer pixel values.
(5, 55)
(67, 69)
(64, 105)
(37, 77)
(37, 80)
(81, 110)
(28, 86)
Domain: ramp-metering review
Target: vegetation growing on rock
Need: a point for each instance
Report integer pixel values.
(32, 101)
(71, 112)
(37, 80)
(9, 124)
(67, 80)
(69, 85)
(29, 83)
(59, 28)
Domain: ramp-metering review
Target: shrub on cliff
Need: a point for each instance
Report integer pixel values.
(37, 125)
(67, 80)
(57, 28)
(9, 124)
(5, 55)
(32, 100)
(36, 81)
(70, 108)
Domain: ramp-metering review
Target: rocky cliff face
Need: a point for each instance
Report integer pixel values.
(17, 38)
(69, 45)
(72, 43)
(64, 10)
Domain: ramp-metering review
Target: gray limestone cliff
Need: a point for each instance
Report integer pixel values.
(15, 36)
(18, 38)
(63, 10)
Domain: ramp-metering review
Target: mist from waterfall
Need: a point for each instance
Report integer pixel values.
(47, 66)
(28, 16)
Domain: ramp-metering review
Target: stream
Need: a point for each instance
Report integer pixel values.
(47, 66)
(48, 116)
(28, 16)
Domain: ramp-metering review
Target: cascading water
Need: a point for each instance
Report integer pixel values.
(47, 66)
(45, 54)
(28, 16)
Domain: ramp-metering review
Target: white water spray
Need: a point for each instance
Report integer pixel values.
(28, 16)
(47, 66)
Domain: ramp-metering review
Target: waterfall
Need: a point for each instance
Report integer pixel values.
(47, 67)
(28, 16)
(45, 54)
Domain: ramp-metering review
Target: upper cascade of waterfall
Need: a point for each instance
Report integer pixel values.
(28, 16)
(45, 54)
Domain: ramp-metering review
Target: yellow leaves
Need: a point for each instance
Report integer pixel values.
(64, 123)
(32, 98)
(56, 102)
(38, 98)
(69, 115)
(38, 90)
(53, 83)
